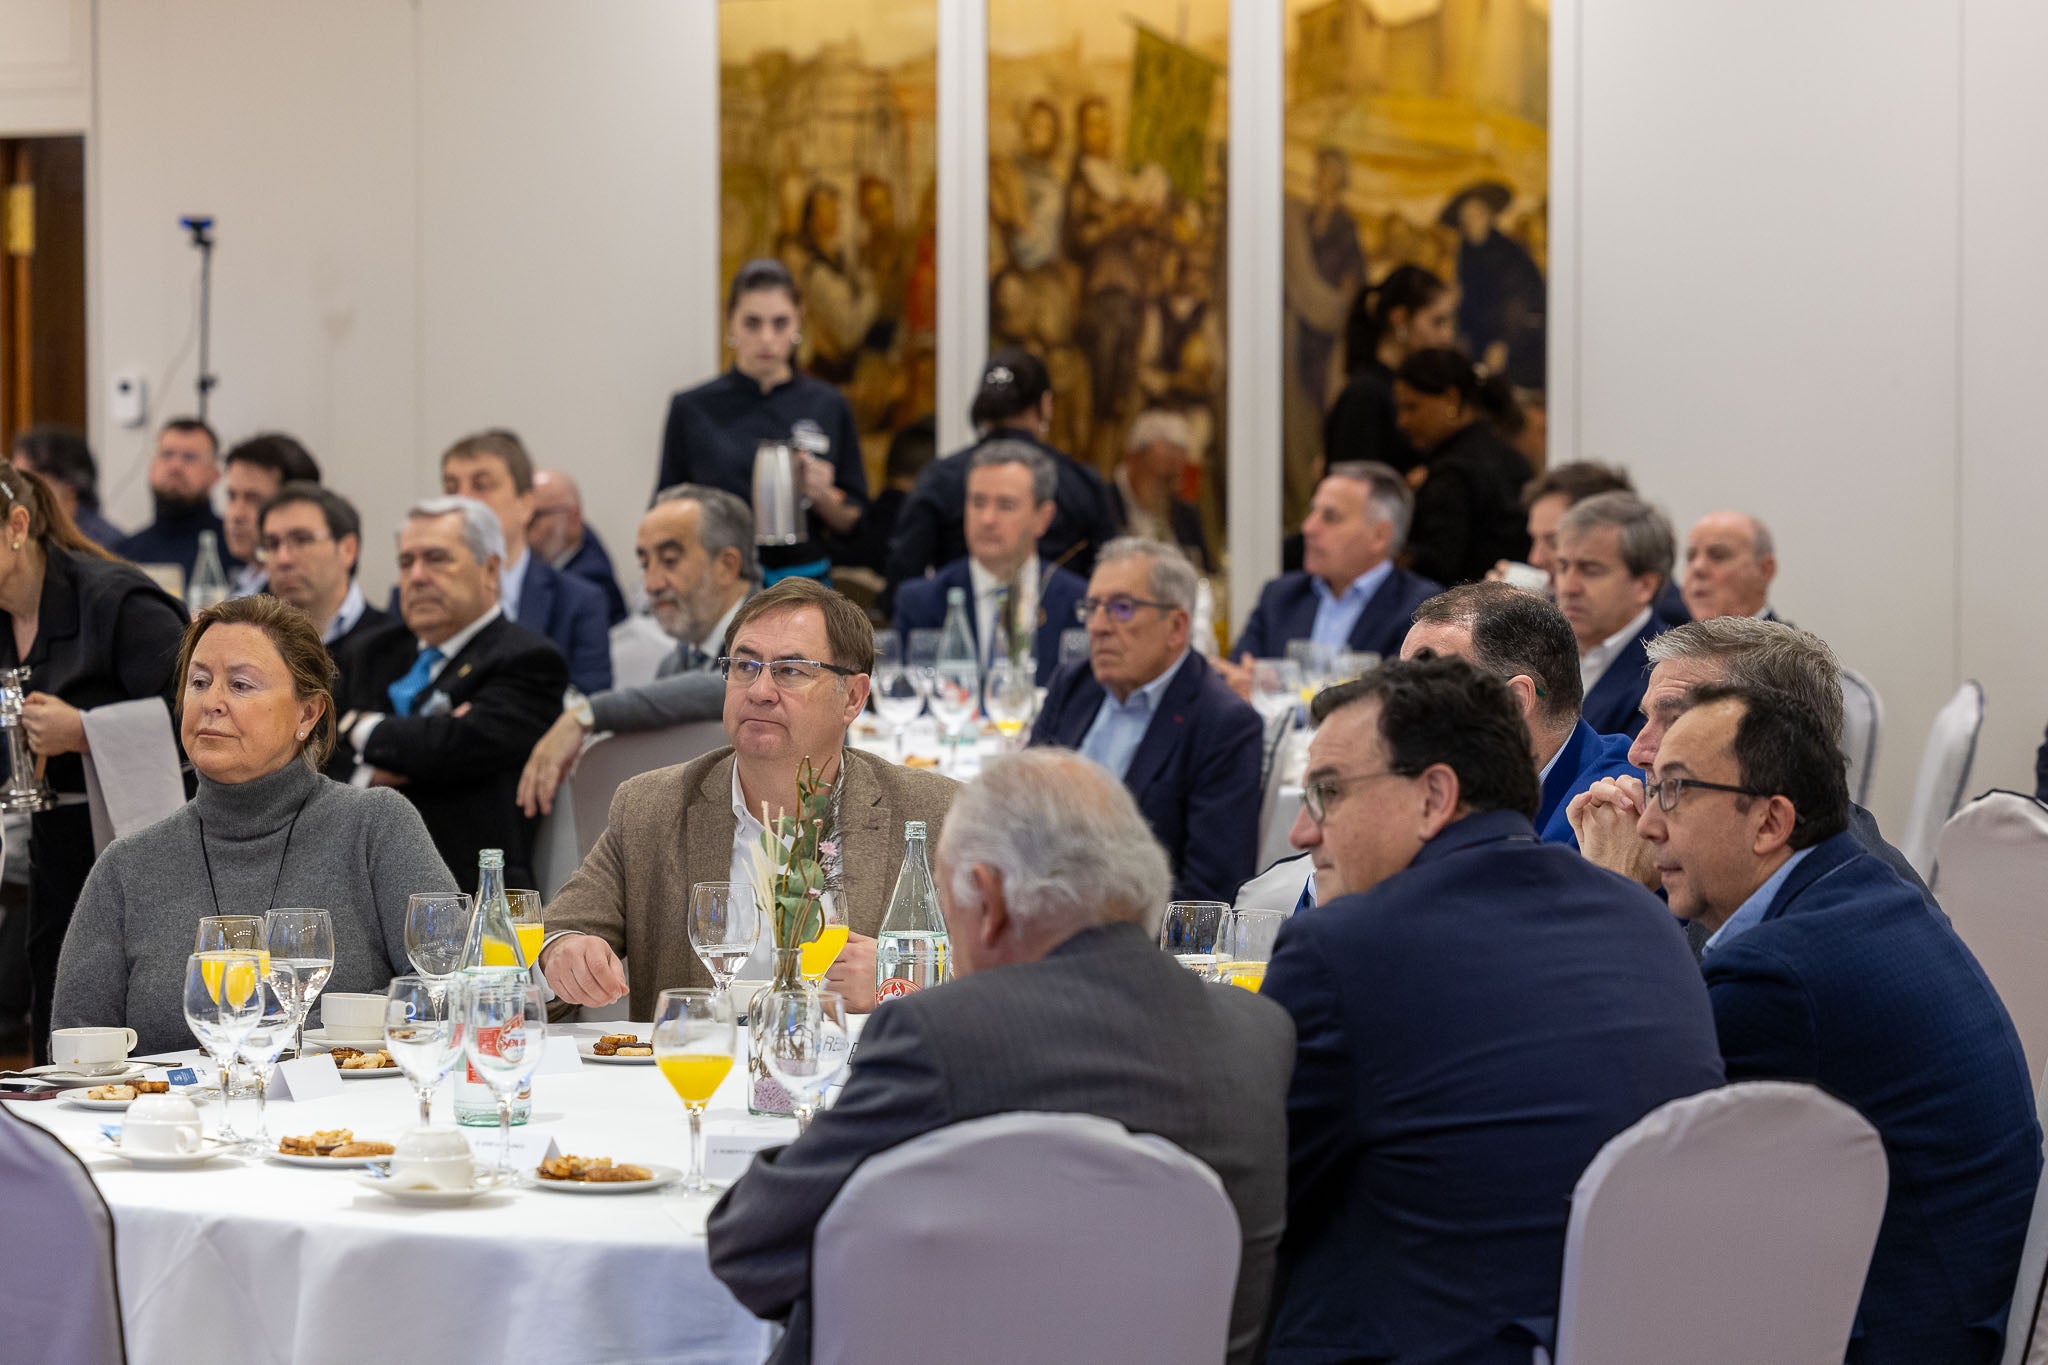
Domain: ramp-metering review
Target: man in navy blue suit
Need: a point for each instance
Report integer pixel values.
(494, 468)
(1349, 594)
(1614, 556)
(1477, 1014)
(559, 535)
(1152, 711)
(1823, 966)
(1010, 502)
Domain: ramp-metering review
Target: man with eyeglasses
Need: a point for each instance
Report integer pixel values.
(1153, 712)
(796, 661)
(309, 542)
(1824, 967)
(1477, 1013)
(256, 470)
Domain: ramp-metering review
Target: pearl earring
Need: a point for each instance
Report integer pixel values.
(17, 545)
(302, 734)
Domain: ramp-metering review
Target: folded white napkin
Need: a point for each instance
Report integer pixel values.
(131, 773)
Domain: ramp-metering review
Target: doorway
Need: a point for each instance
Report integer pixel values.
(42, 284)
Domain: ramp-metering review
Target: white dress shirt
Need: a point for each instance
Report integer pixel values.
(747, 830)
(988, 599)
(346, 615)
(1594, 661)
(511, 582)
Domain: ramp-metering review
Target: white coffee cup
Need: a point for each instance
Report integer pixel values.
(162, 1125)
(92, 1051)
(432, 1159)
(352, 1015)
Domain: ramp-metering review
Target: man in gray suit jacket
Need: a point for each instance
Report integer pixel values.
(1048, 871)
(696, 552)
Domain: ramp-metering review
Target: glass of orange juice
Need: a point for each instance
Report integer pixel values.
(527, 922)
(1247, 945)
(694, 1045)
(816, 955)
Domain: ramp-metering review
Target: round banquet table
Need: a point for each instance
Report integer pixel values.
(253, 1261)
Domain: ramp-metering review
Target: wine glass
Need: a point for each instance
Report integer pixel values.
(955, 683)
(1276, 687)
(221, 1006)
(1010, 696)
(219, 933)
(1248, 946)
(423, 1032)
(725, 924)
(897, 696)
(504, 1033)
(1193, 931)
(815, 957)
(527, 922)
(259, 1050)
(301, 944)
(1074, 646)
(1318, 665)
(436, 930)
(694, 1045)
(804, 1044)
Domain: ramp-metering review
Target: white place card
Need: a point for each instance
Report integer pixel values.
(560, 1055)
(305, 1078)
(727, 1155)
(530, 1146)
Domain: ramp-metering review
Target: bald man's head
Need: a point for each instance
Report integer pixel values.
(1729, 565)
(556, 530)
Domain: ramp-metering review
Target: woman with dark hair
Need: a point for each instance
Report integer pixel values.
(713, 429)
(256, 713)
(1015, 402)
(1468, 508)
(65, 461)
(1410, 310)
(91, 630)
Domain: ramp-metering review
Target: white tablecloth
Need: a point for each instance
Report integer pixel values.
(256, 1262)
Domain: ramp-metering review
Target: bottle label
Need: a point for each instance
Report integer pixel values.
(896, 986)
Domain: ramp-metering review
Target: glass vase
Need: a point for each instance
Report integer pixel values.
(765, 1094)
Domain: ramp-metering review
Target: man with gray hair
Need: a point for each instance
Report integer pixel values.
(696, 552)
(1614, 554)
(1154, 713)
(1011, 486)
(1147, 482)
(1349, 594)
(1729, 564)
(1046, 870)
(446, 703)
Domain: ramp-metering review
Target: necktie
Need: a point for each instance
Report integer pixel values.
(407, 689)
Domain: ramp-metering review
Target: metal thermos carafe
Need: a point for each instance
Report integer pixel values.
(26, 789)
(778, 495)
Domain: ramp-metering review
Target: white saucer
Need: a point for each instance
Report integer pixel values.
(368, 1073)
(332, 1163)
(327, 1042)
(589, 1056)
(71, 1080)
(486, 1182)
(209, 1150)
(190, 1092)
(663, 1175)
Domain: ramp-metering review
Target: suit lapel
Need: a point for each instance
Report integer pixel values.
(460, 675)
(1564, 771)
(1380, 608)
(707, 840)
(1827, 857)
(1164, 733)
(1300, 617)
(1084, 700)
(868, 836)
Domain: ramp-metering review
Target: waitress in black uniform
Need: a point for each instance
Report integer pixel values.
(713, 429)
(92, 630)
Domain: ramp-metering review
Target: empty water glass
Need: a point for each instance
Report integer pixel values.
(1192, 931)
(804, 1043)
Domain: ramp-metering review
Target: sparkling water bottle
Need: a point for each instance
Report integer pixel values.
(209, 584)
(492, 949)
(912, 950)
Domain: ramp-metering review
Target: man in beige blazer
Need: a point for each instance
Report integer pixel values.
(801, 655)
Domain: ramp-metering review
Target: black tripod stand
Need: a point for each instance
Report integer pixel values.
(201, 229)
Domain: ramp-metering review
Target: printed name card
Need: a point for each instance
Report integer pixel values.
(727, 1155)
(530, 1146)
(305, 1078)
(561, 1055)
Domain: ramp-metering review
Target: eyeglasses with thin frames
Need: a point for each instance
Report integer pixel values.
(1671, 788)
(1121, 607)
(1315, 795)
(298, 542)
(789, 675)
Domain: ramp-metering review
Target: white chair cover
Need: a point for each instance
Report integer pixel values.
(132, 774)
(1022, 1239)
(638, 646)
(1992, 858)
(2026, 1337)
(1280, 797)
(57, 1286)
(611, 759)
(1735, 1225)
(1944, 773)
(1862, 720)
(1279, 887)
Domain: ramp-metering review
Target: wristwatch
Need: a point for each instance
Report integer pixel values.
(578, 705)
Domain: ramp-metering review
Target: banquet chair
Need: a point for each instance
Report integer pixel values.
(1862, 720)
(610, 759)
(2026, 1335)
(1043, 1236)
(1992, 863)
(133, 773)
(57, 1285)
(1765, 1194)
(638, 646)
(1944, 773)
(1276, 812)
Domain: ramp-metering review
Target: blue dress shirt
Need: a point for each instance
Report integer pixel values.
(1751, 911)
(1119, 726)
(1338, 613)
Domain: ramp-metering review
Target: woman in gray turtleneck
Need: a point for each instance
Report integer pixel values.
(256, 715)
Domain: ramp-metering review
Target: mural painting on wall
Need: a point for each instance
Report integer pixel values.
(1106, 208)
(1417, 134)
(828, 163)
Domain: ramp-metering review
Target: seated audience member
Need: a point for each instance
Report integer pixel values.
(1010, 489)
(1049, 874)
(558, 534)
(1350, 594)
(797, 657)
(1153, 712)
(446, 703)
(311, 541)
(1551, 494)
(1013, 404)
(1823, 967)
(1729, 565)
(1613, 557)
(493, 468)
(256, 715)
(256, 469)
(1468, 512)
(65, 461)
(1477, 1014)
(696, 552)
(1742, 651)
(1147, 485)
(182, 474)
